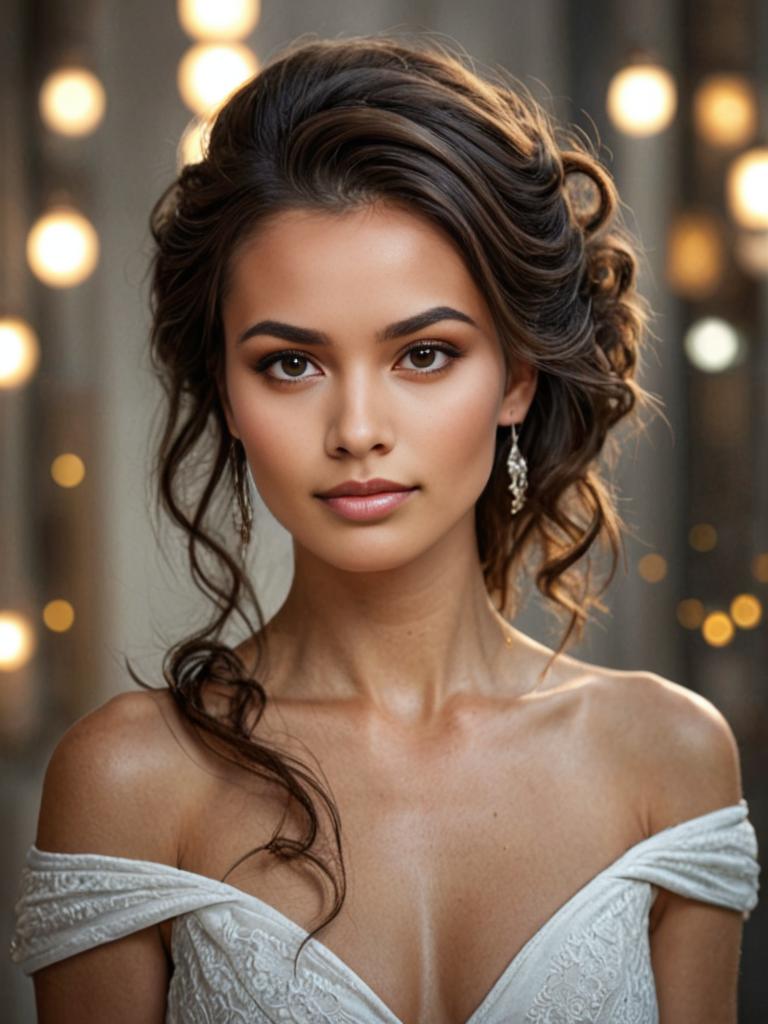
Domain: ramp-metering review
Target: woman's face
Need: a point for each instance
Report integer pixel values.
(358, 398)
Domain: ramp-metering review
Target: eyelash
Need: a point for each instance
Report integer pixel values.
(274, 357)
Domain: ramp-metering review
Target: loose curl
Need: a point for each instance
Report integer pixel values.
(334, 125)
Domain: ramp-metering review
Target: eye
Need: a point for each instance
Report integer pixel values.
(423, 351)
(296, 360)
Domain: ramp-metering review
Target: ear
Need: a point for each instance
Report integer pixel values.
(520, 386)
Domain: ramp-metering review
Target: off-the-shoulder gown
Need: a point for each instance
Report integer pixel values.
(233, 952)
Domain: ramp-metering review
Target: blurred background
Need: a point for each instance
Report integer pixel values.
(101, 105)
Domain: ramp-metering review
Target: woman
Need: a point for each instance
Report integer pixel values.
(394, 299)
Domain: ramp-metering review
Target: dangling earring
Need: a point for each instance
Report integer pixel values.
(243, 527)
(517, 468)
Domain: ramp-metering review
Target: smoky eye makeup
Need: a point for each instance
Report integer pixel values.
(263, 365)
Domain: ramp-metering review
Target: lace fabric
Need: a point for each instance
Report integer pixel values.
(234, 954)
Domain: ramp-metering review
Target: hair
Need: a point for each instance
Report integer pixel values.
(336, 125)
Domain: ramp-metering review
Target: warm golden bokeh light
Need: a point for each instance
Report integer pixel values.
(19, 352)
(17, 640)
(218, 19)
(746, 611)
(652, 568)
(702, 537)
(725, 110)
(751, 250)
(68, 470)
(193, 142)
(760, 567)
(747, 189)
(58, 615)
(72, 101)
(62, 248)
(642, 99)
(717, 629)
(208, 74)
(690, 613)
(695, 258)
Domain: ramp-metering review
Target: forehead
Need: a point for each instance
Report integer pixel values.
(383, 258)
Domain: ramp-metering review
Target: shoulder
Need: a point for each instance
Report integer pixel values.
(676, 743)
(109, 784)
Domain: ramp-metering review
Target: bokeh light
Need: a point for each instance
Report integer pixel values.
(746, 611)
(19, 352)
(72, 101)
(209, 73)
(62, 248)
(747, 189)
(218, 19)
(59, 615)
(68, 470)
(717, 629)
(760, 567)
(695, 256)
(690, 612)
(17, 640)
(713, 345)
(702, 537)
(193, 142)
(642, 99)
(725, 110)
(652, 568)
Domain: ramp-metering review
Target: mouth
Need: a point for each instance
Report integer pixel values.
(363, 507)
(357, 488)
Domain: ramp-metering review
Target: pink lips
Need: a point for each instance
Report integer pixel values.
(368, 506)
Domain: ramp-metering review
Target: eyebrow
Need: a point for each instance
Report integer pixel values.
(307, 336)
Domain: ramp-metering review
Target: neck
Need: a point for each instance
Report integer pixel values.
(404, 643)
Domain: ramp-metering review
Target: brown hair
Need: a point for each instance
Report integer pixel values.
(337, 124)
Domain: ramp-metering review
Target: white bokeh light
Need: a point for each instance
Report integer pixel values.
(218, 19)
(713, 345)
(72, 101)
(62, 248)
(19, 352)
(208, 74)
(642, 99)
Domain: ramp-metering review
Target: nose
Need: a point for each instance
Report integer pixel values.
(359, 420)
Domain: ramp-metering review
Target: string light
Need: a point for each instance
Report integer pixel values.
(695, 257)
(72, 101)
(642, 99)
(62, 248)
(690, 613)
(652, 568)
(218, 19)
(702, 537)
(68, 470)
(19, 352)
(713, 345)
(194, 142)
(746, 611)
(717, 629)
(747, 189)
(59, 615)
(725, 110)
(17, 640)
(209, 73)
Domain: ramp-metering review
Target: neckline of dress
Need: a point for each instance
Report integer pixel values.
(327, 954)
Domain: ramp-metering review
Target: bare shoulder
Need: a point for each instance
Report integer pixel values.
(677, 744)
(109, 784)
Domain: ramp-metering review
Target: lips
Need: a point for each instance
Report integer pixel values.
(356, 488)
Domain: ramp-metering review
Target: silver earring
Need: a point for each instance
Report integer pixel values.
(517, 468)
(243, 526)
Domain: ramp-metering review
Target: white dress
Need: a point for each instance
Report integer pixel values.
(233, 953)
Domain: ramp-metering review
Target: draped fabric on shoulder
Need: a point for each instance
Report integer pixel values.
(233, 953)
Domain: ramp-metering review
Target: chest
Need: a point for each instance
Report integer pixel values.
(456, 852)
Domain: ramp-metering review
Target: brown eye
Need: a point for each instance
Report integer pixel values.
(423, 357)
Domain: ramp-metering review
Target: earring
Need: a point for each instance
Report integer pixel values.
(517, 468)
(243, 527)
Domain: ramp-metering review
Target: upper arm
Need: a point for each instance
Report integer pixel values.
(695, 946)
(106, 790)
